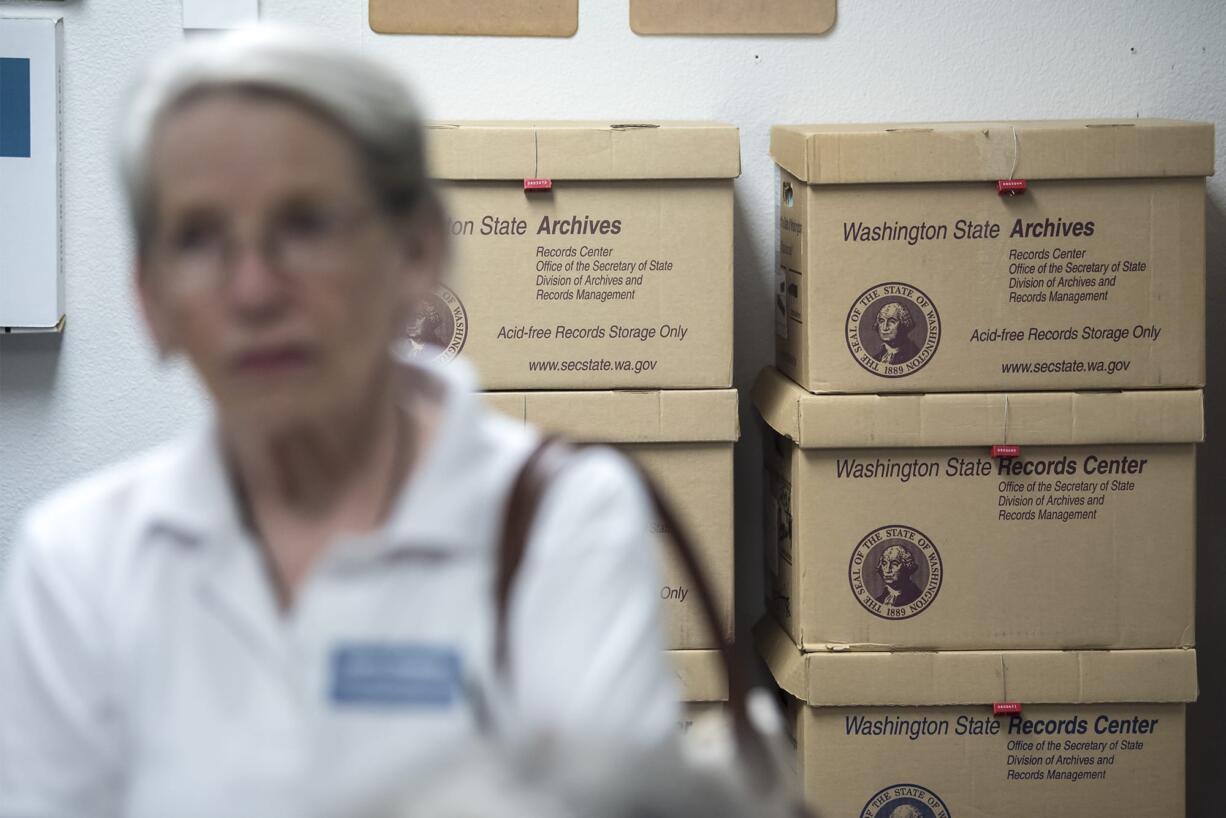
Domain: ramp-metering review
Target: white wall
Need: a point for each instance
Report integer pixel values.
(98, 394)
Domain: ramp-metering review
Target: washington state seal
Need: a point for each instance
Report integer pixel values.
(905, 801)
(438, 327)
(893, 330)
(895, 572)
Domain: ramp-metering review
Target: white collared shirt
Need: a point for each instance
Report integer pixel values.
(146, 672)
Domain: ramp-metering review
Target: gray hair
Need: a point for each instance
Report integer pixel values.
(358, 95)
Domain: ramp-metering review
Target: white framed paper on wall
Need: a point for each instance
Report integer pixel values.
(31, 272)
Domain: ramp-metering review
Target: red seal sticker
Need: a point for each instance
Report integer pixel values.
(1011, 187)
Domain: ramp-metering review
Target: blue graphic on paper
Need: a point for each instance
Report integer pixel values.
(14, 107)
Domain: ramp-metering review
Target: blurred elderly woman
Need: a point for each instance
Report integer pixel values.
(288, 610)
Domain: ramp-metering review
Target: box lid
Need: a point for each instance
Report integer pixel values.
(583, 150)
(511, 18)
(660, 416)
(988, 151)
(700, 674)
(907, 678)
(978, 419)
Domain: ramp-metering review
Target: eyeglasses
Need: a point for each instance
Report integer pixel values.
(302, 240)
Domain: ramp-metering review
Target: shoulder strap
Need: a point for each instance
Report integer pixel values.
(538, 472)
(534, 478)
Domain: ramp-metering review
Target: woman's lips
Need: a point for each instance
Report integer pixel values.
(273, 360)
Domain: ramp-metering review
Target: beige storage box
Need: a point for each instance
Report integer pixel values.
(894, 527)
(586, 255)
(702, 681)
(684, 441)
(1099, 734)
(901, 267)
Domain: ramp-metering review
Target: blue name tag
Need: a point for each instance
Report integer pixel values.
(389, 674)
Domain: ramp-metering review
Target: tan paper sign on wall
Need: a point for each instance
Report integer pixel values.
(732, 16)
(524, 18)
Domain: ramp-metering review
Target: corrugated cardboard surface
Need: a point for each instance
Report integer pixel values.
(732, 16)
(694, 712)
(645, 149)
(545, 18)
(694, 472)
(644, 301)
(618, 277)
(1077, 284)
(1101, 733)
(965, 762)
(701, 675)
(703, 682)
(998, 560)
(673, 416)
(936, 678)
(1074, 546)
(988, 151)
(978, 419)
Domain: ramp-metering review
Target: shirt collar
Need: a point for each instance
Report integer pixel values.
(188, 490)
(430, 511)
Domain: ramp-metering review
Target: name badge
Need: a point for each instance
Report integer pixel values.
(390, 674)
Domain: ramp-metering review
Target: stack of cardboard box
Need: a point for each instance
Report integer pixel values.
(981, 482)
(593, 292)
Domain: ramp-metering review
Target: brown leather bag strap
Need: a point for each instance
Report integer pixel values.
(534, 478)
(537, 474)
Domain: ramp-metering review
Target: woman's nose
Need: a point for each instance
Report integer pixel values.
(255, 286)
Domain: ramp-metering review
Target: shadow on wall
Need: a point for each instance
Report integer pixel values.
(1207, 719)
(28, 363)
(755, 348)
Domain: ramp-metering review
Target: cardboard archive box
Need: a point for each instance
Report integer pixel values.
(702, 681)
(902, 269)
(586, 255)
(684, 441)
(896, 528)
(1099, 734)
